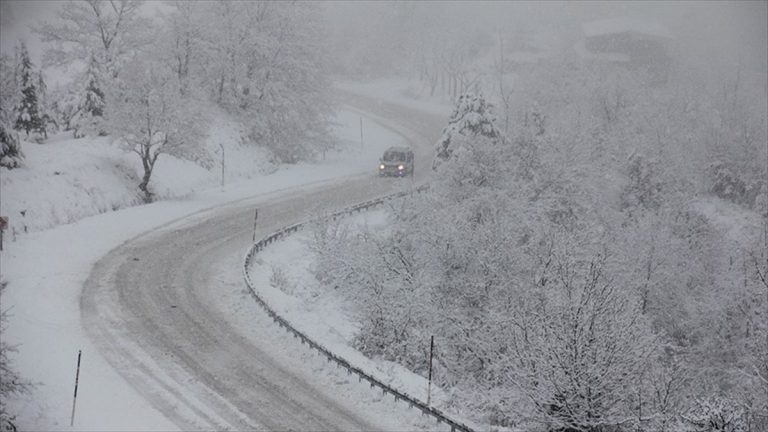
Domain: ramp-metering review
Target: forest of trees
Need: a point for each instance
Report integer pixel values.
(564, 262)
(262, 62)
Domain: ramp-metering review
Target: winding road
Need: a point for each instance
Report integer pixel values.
(148, 307)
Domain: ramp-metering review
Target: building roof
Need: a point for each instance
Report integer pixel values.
(624, 25)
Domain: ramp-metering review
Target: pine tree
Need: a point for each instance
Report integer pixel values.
(42, 104)
(472, 117)
(90, 108)
(93, 102)
(28, 110)
(10, 146)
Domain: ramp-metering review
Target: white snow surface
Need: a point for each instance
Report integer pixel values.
(46, 268)
(400, 92)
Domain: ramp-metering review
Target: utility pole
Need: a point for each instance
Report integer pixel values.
(429, 385)
(361, 131)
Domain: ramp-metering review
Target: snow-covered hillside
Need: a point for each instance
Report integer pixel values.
(64, 179)
(46, 269)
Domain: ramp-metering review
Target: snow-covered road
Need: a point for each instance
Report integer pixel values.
(151, 308)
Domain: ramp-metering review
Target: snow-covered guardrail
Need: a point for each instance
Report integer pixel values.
(282, 322)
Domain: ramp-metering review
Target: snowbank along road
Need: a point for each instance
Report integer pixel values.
(147, 306)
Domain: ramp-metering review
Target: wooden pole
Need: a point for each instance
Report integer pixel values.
(429, 385)
(77, 379)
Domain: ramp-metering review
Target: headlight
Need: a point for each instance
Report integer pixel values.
(400, 167)
(381, 166)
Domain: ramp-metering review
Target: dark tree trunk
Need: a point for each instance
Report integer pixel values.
(148, 162)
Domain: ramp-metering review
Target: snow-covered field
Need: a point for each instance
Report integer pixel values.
(46, 268)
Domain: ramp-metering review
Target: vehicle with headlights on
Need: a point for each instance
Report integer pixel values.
(396, 162)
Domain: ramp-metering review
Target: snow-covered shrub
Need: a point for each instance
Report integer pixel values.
(727, 184)
(717, 414)
(11, 384)
(279, 279)
(10, 147)
(643, 191)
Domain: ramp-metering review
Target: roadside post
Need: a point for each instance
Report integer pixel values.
(429, 385)
(255, 220)
(222, 164)
(77, 378)
(3, 225)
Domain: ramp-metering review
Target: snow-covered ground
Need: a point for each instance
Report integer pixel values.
(46, 268)
(401, 92)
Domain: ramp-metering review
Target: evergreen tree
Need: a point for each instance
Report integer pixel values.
(44, 109)
(90, 108)
(28, 109)
(10, 147)
(471, 118)
(93, 102)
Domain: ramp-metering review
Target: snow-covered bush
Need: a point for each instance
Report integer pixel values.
(279, 279)
(729, 185)
(644, 187)
(10, 147)
(11, 383)
(717, 414)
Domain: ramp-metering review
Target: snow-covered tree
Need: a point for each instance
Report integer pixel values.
(47, 114)
(472, 117)
(585, 344)
(111, 31)
(28, 113)
(93, 100)
(89, 113)
(265, 63)
(184, 42)
(10, 144)
(644, 186)
(148, 117)
(11, 383)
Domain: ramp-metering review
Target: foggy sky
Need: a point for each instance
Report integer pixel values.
(724, 31)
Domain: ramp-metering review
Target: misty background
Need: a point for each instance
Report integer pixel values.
(381, 38)
(591, 253)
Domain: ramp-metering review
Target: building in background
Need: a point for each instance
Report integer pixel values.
(637, 44)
